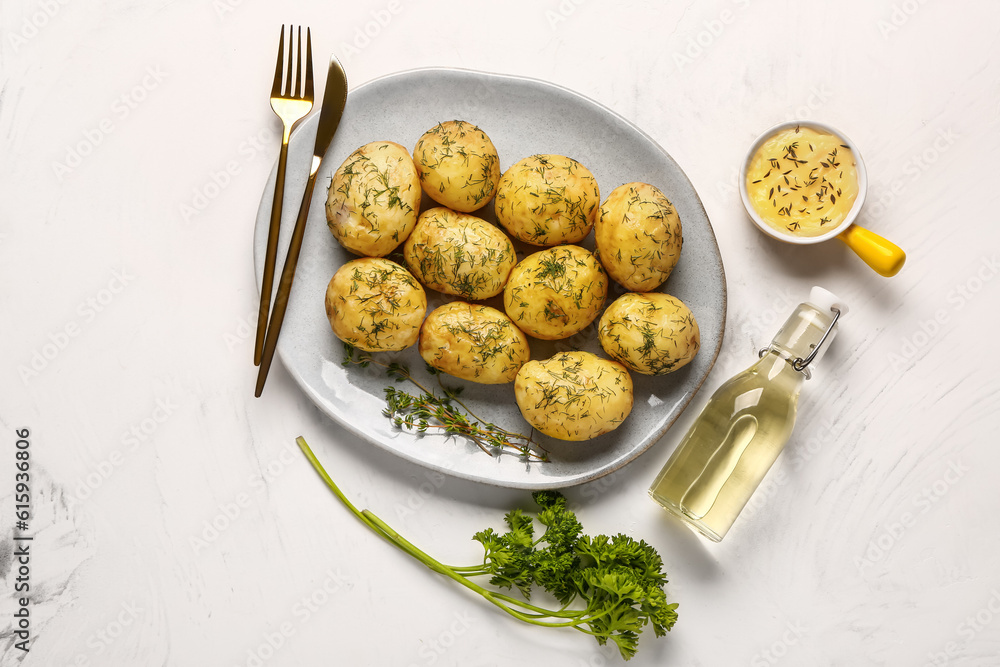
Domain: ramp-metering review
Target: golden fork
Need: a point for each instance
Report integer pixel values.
(291, 103)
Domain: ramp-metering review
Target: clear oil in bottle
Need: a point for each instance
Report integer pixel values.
(735, 440)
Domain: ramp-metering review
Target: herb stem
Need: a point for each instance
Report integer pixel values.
(389, 534)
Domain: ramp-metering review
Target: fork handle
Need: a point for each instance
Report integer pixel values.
(285, 283)
(267, 283)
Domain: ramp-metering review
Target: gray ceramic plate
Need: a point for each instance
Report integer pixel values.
(522, 117)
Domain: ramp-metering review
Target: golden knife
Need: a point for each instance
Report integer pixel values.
(334, 99)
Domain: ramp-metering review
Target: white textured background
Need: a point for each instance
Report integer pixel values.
(136, 140)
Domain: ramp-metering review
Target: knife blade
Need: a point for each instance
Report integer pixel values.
(334, 101)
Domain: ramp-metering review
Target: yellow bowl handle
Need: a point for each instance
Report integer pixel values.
(884, 256)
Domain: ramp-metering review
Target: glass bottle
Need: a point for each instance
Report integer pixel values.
(745, 425)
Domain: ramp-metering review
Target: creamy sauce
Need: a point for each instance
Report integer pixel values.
(802, 181)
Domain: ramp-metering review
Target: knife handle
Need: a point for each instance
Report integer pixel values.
(285, 283)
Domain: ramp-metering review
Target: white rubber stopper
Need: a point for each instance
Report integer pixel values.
(824, 300)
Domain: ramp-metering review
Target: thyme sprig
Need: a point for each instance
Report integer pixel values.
(429, 411)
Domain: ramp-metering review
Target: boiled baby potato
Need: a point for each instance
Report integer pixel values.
(373, 199)
(460, 254)
(638, 236)
(652, 334)
(546, 200)
(555, 293)
(458, 165)
(574, 395)
(473, 342)
(375, 305)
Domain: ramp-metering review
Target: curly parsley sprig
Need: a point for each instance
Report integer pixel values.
(428, 411)
(608, 587)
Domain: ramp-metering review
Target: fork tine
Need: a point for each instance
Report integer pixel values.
(290, 76)
(279, 68)
(309, 66)
(295, 92)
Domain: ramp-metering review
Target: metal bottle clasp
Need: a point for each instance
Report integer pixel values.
(799, 363)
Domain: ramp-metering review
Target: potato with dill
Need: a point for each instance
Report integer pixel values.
(638, 236)
(473, 342)
(458, 165)
(375, 305)
(459, 254)
(373, 199)
(652, 333)
(574, 395)
(556, 293)
(547, 200)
